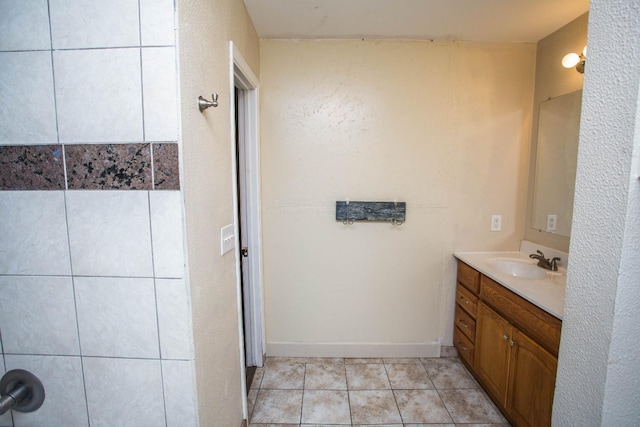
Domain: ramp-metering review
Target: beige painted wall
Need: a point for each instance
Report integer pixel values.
(444, 126)
(553, 80)
(205, 28)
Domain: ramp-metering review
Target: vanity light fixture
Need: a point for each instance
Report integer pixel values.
(573, 59)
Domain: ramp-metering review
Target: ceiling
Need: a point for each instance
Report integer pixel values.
(471, 20)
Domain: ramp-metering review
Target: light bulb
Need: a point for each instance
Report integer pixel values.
(584, 51)
(570, 60)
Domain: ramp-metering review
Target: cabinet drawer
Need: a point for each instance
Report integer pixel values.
(529, 318)
(467, 300)
(466, 323)
(464, 346)
(469, 277)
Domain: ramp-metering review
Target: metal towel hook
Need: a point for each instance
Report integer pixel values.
(21, 391)
(203, 104)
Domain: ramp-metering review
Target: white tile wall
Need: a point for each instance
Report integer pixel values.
(109, 233)
(64, 390)
(5, 420)
(173, 311)
(98, 93)
(107, 299)
(33, 233)
(157, 23)
(89, 24)
(27, 108)
(124, 392)
(117, 317)
(37, 315)
(179, 393)
(24, 25)
(160, 97)
(166, 232)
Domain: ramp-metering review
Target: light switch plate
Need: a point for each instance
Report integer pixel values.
(552, 222)
(496, 222)
(226, 239)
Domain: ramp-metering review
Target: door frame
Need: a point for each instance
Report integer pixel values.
(242, 76)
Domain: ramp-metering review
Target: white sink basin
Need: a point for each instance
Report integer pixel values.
(518, 268)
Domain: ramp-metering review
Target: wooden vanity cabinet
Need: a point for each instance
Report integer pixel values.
(464, 331)
(514, 352)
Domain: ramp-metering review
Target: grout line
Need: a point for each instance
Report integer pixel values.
(89, 276)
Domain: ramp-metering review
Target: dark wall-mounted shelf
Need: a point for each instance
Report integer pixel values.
(371, 211)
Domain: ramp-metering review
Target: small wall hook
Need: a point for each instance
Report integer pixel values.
(203, 104)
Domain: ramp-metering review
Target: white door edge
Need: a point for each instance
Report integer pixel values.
(242, 76)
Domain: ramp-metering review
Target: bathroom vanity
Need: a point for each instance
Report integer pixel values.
(507, 330)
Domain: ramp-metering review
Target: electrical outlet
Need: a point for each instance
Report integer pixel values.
(226, 239)
(552, 222)
(496, 222)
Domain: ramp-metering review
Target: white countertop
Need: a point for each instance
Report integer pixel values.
(546, 293)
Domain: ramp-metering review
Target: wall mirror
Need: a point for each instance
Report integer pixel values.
(556, 159)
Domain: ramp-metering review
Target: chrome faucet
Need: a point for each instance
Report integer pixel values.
(544, 262)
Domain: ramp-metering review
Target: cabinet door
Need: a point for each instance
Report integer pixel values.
(492, 351)
(531, 383)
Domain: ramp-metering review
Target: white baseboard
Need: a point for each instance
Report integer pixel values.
(288, 349)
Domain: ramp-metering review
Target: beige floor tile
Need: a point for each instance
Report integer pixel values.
(283, 376)
(277, 407)
(325, 360)
(470, 406)
(483, 425)
(408, 376)
(373, 407)
(367, 377)
(274, 425)
(361, 360)
(397, 360)
(257, 379)
(430, 425)
(421, 406)
(326, 407)
(325, 377)
(448, 373)
(270, 360)
(251, 401)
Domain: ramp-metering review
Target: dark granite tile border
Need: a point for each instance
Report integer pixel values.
(110, 166)
(31, 167)
(166, 168)
(90, 167)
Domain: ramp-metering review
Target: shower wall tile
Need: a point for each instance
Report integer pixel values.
(27, 108)
(31, 167)
(91, 24)
(166, 167)
(124, 392)
(5, 420)
(65, 399)
(109, 233)
(117, 317)
(98, 94)
(109, 166)
(38, 315)
(24, 25)
(157, 25)
(166, 232)
(160, 95)
(179, 393)
(33, 233)
(173, 321)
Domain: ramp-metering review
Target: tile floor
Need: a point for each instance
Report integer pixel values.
(305, 392)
